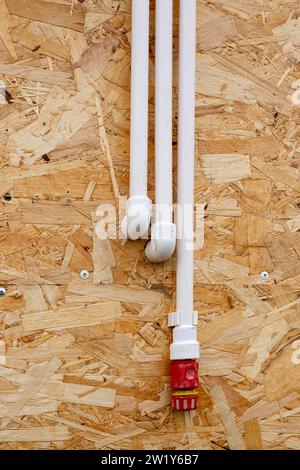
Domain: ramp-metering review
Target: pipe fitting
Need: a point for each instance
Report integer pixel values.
(163, 242)
(185, 383)
(138, 217)
(185, 344)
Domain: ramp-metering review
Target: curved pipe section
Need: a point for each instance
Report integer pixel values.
(163, 242)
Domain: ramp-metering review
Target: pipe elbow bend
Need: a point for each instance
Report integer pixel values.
(163, 242)
(137, 221)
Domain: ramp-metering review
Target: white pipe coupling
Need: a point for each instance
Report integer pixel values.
(185, 344)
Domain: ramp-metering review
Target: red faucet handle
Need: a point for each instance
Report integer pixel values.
(184, 374)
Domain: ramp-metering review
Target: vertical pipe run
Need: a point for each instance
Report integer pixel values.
(163, 109)
(137, 221)
(184, 350)
(186, 155)
(139, 97)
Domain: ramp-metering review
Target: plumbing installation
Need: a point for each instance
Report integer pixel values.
(163, 231)
(137, 221)
(184, 350)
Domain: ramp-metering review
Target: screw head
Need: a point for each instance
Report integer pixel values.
(2, 291)
(264, 275)
(84, 274)
(7, 197)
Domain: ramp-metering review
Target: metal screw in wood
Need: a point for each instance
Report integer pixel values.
(2, 291)
(264, 275)
(84, 274)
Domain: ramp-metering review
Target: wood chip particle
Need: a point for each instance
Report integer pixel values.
(37, 434)
(52, 77)
(227, 416)
(223, 168)
(5, 27)
(93, 314)
(61, 116)
(253, 437)
(44, 374)
(55, 13)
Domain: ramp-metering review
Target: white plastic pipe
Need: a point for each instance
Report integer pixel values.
(185, 345)
(163, 232)
(137, 221)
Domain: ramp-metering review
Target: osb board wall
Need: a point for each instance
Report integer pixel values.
(85, 363)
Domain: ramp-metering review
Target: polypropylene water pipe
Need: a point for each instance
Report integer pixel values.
(163, 232)
(184, 350)
(137, 221)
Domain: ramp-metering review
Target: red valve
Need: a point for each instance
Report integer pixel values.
(184, 382)
(184, 374)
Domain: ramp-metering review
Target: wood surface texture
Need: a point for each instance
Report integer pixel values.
(84, 363)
